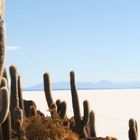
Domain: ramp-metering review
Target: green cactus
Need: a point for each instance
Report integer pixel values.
(132, 133)
(92, 124)
(79, 121)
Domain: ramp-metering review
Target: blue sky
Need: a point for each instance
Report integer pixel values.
(99, 39)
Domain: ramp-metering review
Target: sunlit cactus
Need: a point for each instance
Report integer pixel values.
(3, 82)
(79, 121)
(14, 91)
(4, 104)
(18, 115)
(6, 126)
(2, 44)
(21, 103)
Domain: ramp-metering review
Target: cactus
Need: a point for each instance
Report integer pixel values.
(132, 133)
(6, 126)
(4, 104)
(21, 103)
(18, 115)
(47, 89)
(14, 91)
(79, 121)
(60, 108)
(92, 124)
(2, 45)
(33, 111)
(3, 82)
(27, 105)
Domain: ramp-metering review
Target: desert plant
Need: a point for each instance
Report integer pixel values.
(46, 128)
(60, 107)
(14, 91)
(21, 102)
(92, 124)
(6, 126)
(80, 122)
(4, 104)
(132, 133)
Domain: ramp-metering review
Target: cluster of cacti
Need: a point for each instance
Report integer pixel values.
(133, 130)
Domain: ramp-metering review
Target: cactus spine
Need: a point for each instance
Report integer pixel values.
(132, 133)
(80, 123)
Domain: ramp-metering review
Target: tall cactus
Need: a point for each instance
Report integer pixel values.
(79, 121)
(47, 89)
(4, 104)
(21, 103)
(6, 126)
(14, 91)
(60, 108)
(2, 46)
(132, 133)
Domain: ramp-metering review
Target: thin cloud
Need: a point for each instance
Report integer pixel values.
(12, 48)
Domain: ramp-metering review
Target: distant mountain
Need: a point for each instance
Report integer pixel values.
(104, 84)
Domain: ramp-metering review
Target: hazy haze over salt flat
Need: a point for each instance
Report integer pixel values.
(113, 108)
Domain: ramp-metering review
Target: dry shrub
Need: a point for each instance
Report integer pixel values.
(38, 128)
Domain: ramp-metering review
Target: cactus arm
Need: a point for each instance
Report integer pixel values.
(58, 104)
(2, 46)
(4, 106)
(21, 103)
(75, 100)
(47, 90)
(14, 87)
(86, 113)
(63, 110)
(132, 133)
(92, 124)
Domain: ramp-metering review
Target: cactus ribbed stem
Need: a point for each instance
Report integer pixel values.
(79, 122)
(4, 104)
(132, 133)
(2, 46)
(21, 103)
(92, 124)
(47, 89)
(75, 99)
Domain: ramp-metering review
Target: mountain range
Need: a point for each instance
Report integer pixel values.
(104, 84)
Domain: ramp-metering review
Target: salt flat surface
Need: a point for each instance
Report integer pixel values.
(113, 108)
